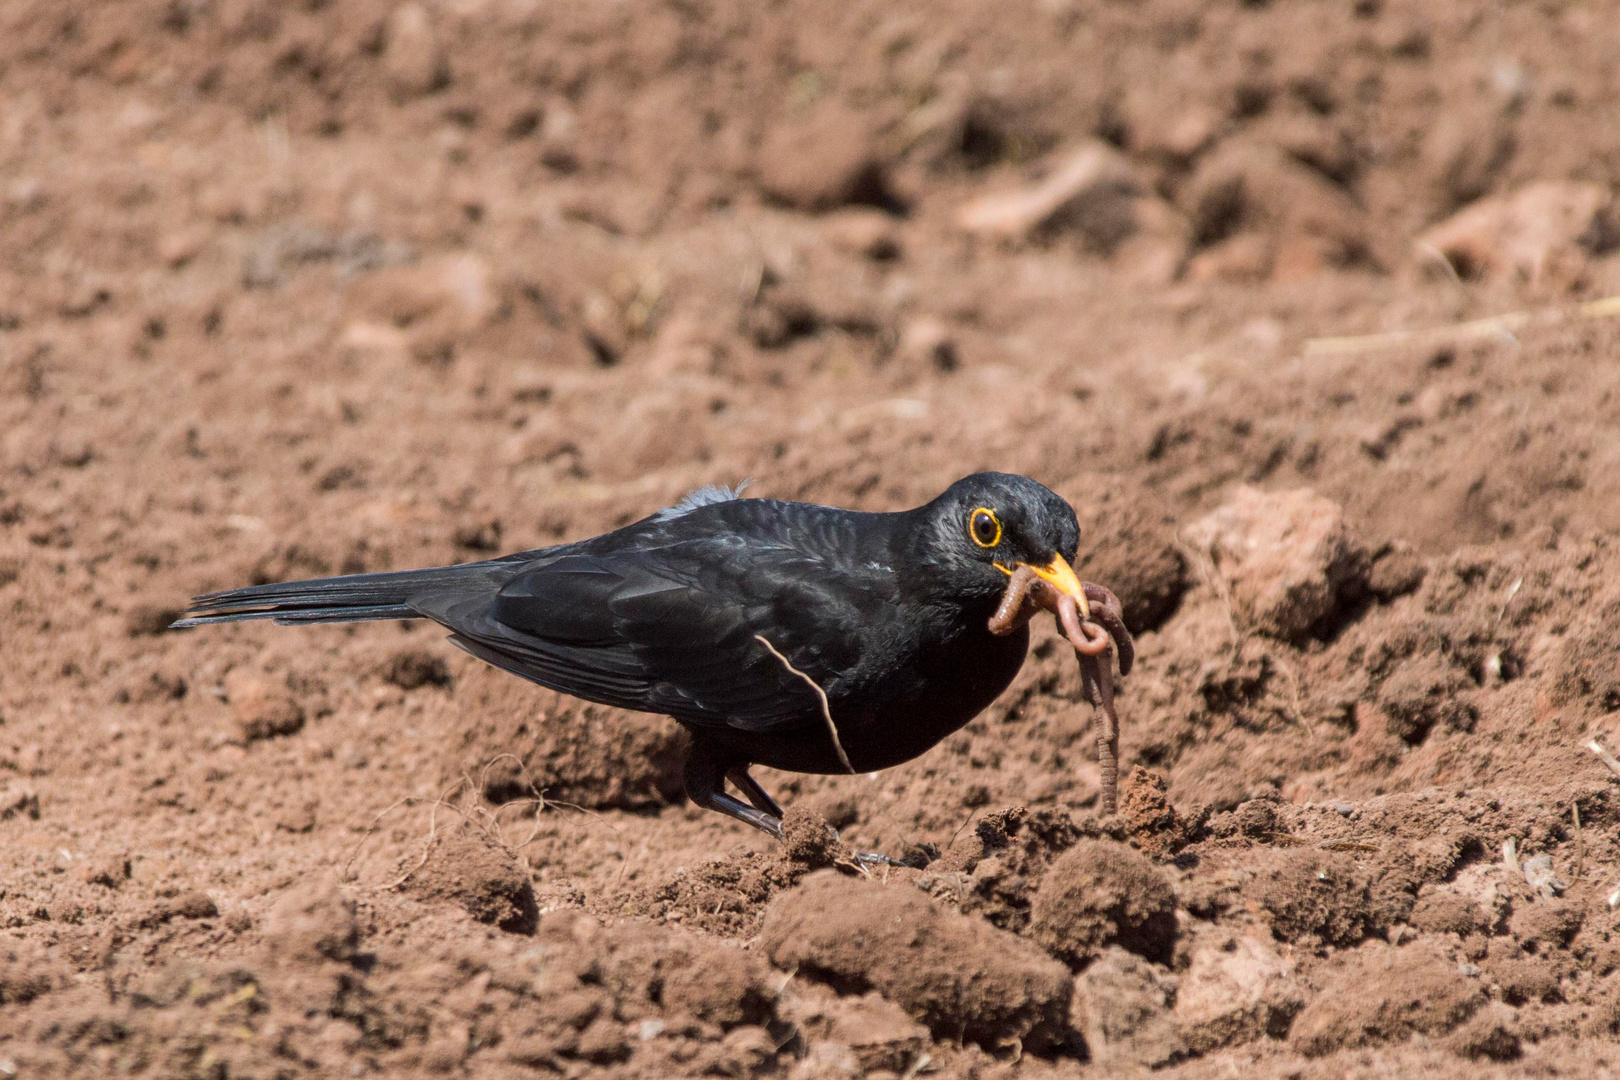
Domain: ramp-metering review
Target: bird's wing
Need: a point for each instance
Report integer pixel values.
(673, 629)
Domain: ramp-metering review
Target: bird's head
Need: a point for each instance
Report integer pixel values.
(985, 526)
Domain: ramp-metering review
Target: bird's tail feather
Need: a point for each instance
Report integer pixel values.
(351, 598)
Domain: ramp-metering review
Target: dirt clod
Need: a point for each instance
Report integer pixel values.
(878, 1031)
(263, 705)
(1286, 557)
(195, 905)
(410, 669)
(466, 865)
(1100, 893)
(1236, 989)
(1445, 912)
(1122, 1006)
(1312, 895)
(313, 921)
(1382, 994)
(951, 972)
(1153, 823)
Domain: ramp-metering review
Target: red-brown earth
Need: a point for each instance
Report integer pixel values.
(298, 289)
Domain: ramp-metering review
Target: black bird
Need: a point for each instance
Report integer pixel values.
(784, 634)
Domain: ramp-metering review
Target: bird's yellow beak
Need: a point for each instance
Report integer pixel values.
(1061, 576)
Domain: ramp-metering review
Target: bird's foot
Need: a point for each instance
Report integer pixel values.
(917, 856)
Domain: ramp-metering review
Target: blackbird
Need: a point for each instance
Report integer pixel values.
(784, 634)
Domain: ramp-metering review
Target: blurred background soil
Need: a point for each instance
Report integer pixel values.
(291, 289)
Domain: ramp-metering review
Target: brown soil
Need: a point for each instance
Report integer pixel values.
(296, 289)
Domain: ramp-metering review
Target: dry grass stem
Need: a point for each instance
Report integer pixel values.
(1497, 327)
(826, 709)
(1604, 756)
(1580, 839)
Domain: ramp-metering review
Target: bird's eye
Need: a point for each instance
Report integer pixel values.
(985, 528)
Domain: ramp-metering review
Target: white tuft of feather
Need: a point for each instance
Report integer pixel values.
(707, 495)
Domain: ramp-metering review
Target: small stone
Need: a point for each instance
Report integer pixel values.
(263, 706)
(822, 160)
(313, 921)
(1121, 1005)
(878, 1031)
(1286, 557)
(1236, 989)
(1095, 173)
(926, 345)
(1536, 233)
(195, 905)
(863, 231)
(412, 56)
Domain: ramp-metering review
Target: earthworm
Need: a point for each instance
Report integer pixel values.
(1092, 635)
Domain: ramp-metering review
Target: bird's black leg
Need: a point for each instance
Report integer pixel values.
(738, 775)
(705, 786)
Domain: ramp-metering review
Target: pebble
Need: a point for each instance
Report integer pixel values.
(1535, 232)
(415, 62)
(1285, 556)
(1094, 170)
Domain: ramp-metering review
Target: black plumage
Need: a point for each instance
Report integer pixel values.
(735, 615)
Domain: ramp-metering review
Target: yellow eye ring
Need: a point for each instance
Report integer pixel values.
(984, 528)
